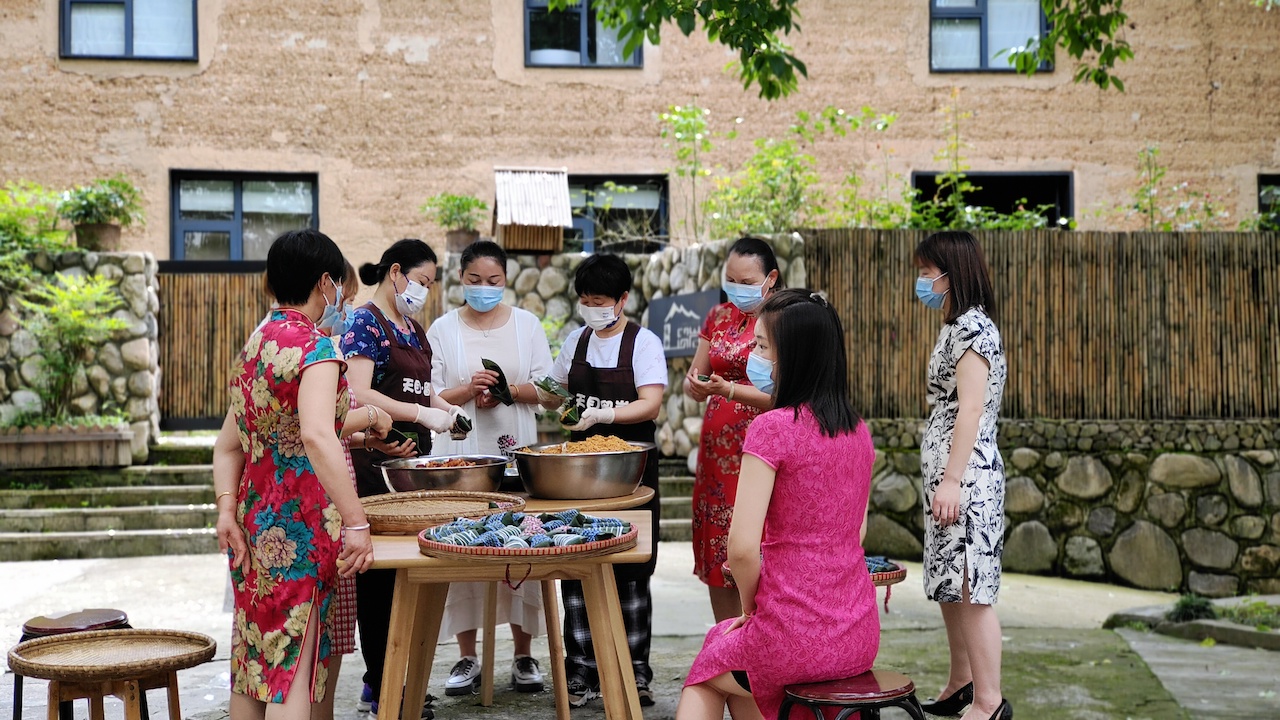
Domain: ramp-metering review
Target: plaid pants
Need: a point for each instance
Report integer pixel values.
(637, 617)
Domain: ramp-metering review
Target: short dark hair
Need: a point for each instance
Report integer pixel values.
(959, 255)
(297, 260)
(484, 248)
(606, 275)
(751, 246)
(408, 253)
(811, 365)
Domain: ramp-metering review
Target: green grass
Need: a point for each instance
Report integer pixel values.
(1261, 615)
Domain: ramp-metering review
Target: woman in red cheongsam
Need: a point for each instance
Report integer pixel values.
(727, 338)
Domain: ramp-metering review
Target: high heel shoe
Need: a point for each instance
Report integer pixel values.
(1004, 711)
(953, 704)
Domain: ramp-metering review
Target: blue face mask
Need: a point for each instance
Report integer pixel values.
(760, 373)
(746, 297)
(331, 320)
(482, 298)
(348, 319)
(924, 291)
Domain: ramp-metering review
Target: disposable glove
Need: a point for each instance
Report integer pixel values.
(592, 417)
(433, 419)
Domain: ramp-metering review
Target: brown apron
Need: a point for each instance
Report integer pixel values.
(614, 387)
(407, 379)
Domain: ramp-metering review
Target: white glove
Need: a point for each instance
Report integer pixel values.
(434, 420)
(455, 412)
(547, 398)
(592, 417)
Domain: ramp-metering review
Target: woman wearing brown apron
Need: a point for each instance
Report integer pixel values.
(389, 365)
(616, 371)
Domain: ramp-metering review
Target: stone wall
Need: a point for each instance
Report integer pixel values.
(1191, 505)
(123, 374)
(543, 285)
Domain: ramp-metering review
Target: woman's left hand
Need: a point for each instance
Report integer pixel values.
(357, 552)
(717, 386)
(946, 502)
(737, 623)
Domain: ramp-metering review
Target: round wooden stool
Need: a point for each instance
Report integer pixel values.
(864, 694)
(123, 663)
(61, 624)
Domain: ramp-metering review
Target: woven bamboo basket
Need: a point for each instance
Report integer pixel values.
(408, 513)
(431, 548)
(104, 655)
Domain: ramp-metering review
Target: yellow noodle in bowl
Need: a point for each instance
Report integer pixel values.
(594, 444)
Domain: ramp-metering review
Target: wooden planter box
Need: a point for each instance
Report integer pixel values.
(55, 447)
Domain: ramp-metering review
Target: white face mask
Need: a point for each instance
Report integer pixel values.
(597, 318)
(412, 299)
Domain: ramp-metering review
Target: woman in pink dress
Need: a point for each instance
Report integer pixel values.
(795, 545)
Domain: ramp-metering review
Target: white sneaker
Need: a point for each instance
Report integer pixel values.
(525, 674)
(464, 678)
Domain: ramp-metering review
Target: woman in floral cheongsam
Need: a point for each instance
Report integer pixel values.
(292, 513)
(963, 472)
(750, 275)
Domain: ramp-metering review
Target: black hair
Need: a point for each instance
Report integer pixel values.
(484, 248)
(297, 260)
(750, 246)
(408, 253)
(606, 275)
(811, 365)
(959, 255)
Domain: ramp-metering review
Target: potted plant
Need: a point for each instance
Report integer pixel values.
(458, 215)
(68, 319)
(98, 211)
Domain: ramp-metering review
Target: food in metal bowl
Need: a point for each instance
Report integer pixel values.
(585, 471)
(476, 473)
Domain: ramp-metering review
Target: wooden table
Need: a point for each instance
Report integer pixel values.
(642, 495)
(422, 586)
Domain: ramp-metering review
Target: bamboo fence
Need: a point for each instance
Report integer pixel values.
(1095, 325)
(205, 319)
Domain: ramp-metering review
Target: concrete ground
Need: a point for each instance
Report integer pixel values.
(1058, 662)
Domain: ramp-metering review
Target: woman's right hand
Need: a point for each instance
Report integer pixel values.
(480, 383)
(382, 422)
(434, 419)
(231, 537)
(695, 388)
(401, 449)
(357, 552)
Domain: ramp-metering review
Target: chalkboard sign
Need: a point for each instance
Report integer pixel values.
(677, 320)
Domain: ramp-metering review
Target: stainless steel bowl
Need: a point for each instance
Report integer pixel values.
(581, 476)
(411, 474)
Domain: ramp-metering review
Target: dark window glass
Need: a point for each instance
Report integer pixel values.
(1007, 192)
(967, 35)
(617, 213)
(236, 216)
(147, 29)
(572, 38)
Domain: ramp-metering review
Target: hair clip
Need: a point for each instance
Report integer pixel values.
(819, 298)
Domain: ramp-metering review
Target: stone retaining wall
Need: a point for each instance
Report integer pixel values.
(1191, 505)
(123, 374)
(543, 285)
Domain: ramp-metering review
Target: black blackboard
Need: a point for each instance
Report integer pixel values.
(678, 319)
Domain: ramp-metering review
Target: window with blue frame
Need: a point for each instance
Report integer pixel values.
(976, 35)
(573, 37)
(625, 213)
(236, 216)
(128, 29)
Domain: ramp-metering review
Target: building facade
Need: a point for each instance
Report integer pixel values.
(239, 119)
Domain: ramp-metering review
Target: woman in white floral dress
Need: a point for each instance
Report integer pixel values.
(963, 472)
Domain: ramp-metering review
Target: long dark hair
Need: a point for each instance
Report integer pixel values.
(408, 253)
(810, 362)
(959, 255)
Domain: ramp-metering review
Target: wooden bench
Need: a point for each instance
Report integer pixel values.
(62, 624)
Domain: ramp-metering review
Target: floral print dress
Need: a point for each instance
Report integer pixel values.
(293, 529)
(977, 540)
(730, 333)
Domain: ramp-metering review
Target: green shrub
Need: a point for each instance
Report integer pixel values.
(1191, 607)
(455, 212)
(107, 200)
(28, 224)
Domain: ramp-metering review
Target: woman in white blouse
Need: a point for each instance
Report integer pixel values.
(486, 328)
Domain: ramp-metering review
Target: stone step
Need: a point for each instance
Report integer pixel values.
(104, 544)
(181, 454)
(677, 507)
(168, 475)
(142, 517)
(106, 497)
(675, 530)
(96, 477)
(676, 486)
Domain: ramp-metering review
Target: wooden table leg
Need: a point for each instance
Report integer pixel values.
(628, 673)
(555, 644)
(96, 711)
(130, 691)
(175, 709)
(404, 604)
(490, 626)
(602, 638)
(422, 646)
(55, 697)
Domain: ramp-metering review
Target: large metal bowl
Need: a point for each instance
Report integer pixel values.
(411, 474)
(581, 476)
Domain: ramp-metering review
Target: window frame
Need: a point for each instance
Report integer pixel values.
(587, 224)
(636, 64)
(235, 226)
(1266, 180)
(64, 33)
(1067, 209)
(978, 12)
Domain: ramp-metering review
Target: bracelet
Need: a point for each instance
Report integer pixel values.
(373, 417)
(515, 393)
(221, 494)
(353, 528)
(731, 387)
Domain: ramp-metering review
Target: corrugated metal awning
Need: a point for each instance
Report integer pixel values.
(533, 196)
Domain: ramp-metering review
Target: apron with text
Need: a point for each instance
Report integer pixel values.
(407, 379)
(615, 387)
